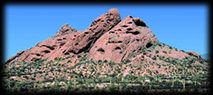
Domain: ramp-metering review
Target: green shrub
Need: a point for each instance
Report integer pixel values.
(149, 71)
(154, 58)
(99, 61)
(127, 61)
(69, 61)
(165, 52)
(32, 78)
(156, 51)
(105, 61)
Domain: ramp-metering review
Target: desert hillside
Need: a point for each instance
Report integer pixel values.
(110, 55)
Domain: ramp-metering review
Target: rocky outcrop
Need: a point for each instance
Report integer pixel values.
(129, 36)
(14, 57)
(193, 54)
(48, 48)
(98, 27)
(69, 42)
(107, 38)
(65, 30)
(82, 41)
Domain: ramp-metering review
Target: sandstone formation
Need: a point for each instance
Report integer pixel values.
(65, 30)
(101, 25)
(107, 38)
(107, 53)
(83, 41)
(68, 42)
(126, 38)
(47, 48)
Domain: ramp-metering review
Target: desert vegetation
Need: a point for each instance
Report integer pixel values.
(187, 74)
(111, 56)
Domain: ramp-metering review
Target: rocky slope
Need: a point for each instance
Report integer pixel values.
(68, 42)
(107, 38)
(118, 51)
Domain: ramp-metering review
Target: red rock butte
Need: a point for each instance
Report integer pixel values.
(107, 38)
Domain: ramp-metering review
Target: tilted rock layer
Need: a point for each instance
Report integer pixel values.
(107, 38)
(126, 38)
(98, 27)
(69, 42)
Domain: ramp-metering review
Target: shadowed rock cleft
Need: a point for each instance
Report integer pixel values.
(138, 22)
(117, 48)
(101, 50)
(148, 45)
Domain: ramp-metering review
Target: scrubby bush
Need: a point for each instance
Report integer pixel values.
(165, 52)
(156, 51)
(76, 80)
(154, 57)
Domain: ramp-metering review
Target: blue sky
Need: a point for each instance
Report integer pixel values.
(182, 26)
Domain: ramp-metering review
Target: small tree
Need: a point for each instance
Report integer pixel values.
(154, 58)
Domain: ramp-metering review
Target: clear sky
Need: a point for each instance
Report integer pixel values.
(182, 26)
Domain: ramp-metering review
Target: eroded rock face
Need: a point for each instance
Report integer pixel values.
(98, 27)
(107, 38)
(84, 40)
(14, 57)
(194, 54)
(126, 38)
(47, 49)
(69, 42)
(65, 30)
